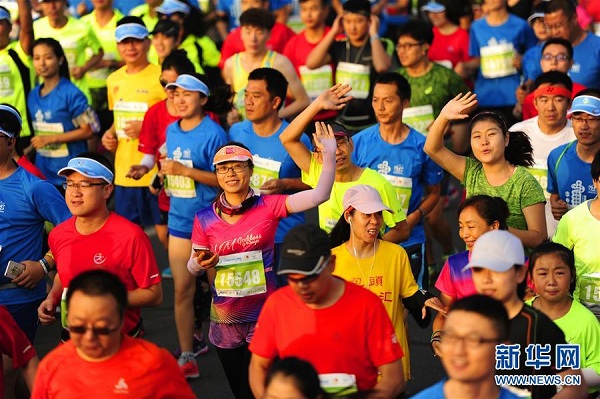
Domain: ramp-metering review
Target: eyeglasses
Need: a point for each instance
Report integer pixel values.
(471, 341)
(222, 169)
(557, 57)
(342, 142)
(81, 184)
(589, 121)
(95, 330)
(406, 46)
(556, 27)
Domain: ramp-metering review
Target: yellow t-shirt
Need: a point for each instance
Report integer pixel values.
(331, 210)
(129, 97)
(390, 278)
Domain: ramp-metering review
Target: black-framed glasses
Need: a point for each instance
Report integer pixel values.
(557, 57)
(81, 184)
(471, 341)
(339, 143)
(222, 169)
(407, 46)
(97, 331)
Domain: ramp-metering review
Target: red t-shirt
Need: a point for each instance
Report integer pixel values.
(353, 336)
(280, 35)
(453, 47)
(13, 343)
(120, 247)
(529, 110)
(31, 168)
(139, 370)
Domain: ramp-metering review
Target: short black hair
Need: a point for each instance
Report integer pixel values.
(324, 3)
(277, 85)
(553, 248)
(490, 209)
(130, 19)
(9, 122)
(554, 78)
(590, 91)
(487, 307)
(402, 86)
(362, 7)
(257, 17)
(561, 42)
(566, 6)
(179, 61)
(419, 30)
(99, 283)
(305, 377)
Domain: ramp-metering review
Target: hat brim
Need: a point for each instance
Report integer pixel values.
(373, 208)
(132, 36)
(185, 87)
(84, 171)
(233, 158)
(289, 265)
(494, 264)
(436, 8)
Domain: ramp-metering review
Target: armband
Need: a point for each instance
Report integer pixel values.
(45, 265)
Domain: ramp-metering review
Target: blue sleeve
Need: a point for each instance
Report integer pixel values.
(552, 187)
(473, 43)
(433, 172)
(49, 203)
(275, 5)
(529, 39)
(306, 141)
(531, 63)
(77, 102)
(223, 5)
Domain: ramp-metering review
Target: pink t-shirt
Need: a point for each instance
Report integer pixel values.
(452, 281)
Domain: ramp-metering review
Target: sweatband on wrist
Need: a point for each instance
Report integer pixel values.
(148, 161)
(191, 266)
(308, 199)
(552, 91)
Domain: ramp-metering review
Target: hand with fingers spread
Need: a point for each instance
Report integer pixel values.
(459, 107)
(334, 98)
(324, 139)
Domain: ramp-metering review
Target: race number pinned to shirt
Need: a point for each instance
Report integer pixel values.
(497, 60)
(403, 188)
(181, 186)
(589, 289)
(338, 383)
(240, 275)
(264, 170)
(128, 111)
(70, 48)
(539, 170)
(316, 81)
(357, 76)
(419, 118)
(59, 150)
(7, 87)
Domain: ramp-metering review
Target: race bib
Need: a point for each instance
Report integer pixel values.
(127, 111)
(7, 87)
(264, 170)
(295, 23)
(338, 384)
(540, 171)
(419, 118)
(357, 76)
(316, 81)
(497, 60)
(240, 275)
(181, 186)
(589, 289)
(403, 188)
(51, 150)
(70, 48)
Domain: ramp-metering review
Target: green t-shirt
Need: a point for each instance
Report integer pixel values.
(520, 191)
(96, 79)
(78, 40)
(11, 83)
(143, 11)
(331, 210)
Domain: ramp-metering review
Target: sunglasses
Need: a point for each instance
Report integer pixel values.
(304, 280)
(95, 330)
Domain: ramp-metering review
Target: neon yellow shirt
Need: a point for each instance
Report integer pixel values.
(390, 278)
(129, 97)
(331, 210)
(210, 54)
(143, 11)
(77, 39)
(11, 86)
(96, 79)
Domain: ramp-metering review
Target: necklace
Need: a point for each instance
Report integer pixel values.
(367, 278)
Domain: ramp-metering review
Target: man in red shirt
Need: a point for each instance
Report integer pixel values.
(310, 319)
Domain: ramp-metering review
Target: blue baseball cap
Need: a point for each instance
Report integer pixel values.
(169, 7)
(89, 168)
(189, 83)
(16, 114)
(588, 104)
(131, 30)
(4, 14)
(432, 6)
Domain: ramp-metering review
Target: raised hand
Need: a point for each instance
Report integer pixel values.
(335, 97)
(459, 107)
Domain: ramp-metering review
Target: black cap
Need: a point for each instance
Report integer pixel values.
(167, 27)
(305, 250)
(362, 7)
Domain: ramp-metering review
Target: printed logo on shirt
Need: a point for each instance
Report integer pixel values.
(576, 68)
(99, 258)
(575, 196)
(384, 168)
(399, 169)
(121, 387)
(177, 154)
(2, 206)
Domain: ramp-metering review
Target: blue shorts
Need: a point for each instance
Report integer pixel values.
(138, 205)
(26, 316)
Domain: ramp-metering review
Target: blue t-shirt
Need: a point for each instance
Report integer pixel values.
(531, 62)
(571, 179)
(233, 9)
(270, 148)
(499, 92)
(26, 202)
(437, 392)
(197, 146)
(59, 107)
(586, 61)
(406, 160)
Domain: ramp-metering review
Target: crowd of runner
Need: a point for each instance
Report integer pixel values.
(219, 123)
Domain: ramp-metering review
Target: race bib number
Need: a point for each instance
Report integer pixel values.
(589, 289)
(264, 170)
(419, 118)
(7, 87)
(540, 171)
(51, 150)
(181, 186)
(497, 60)
(403, 188)
(357, 76)
(316, 81)
(338, 383)
(240, 275)
(70, 48)
(128, 111)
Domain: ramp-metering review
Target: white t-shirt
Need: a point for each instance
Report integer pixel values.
(542, 145)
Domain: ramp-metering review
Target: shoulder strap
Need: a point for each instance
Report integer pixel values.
(562, 154)
(200, 55)
(25, 80)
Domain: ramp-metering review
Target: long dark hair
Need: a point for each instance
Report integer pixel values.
(519, 151)
(63, 70)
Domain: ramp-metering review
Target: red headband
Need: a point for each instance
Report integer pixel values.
(552, 91)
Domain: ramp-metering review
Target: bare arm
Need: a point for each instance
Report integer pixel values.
(456, 109)
(432, 196)
(282, 14)
(26, 36)
(227, 71)
(440, 319)
(143, 297)
(381, 60)
(47, 309)
(536, 226)
(82, 133)
(29, 371)
(78, 72)
(257, 374)
(558, 206)
(320, 56)
(392, 382)
(572, 391)
(399, 233)
(295, 89)
(278, 186)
